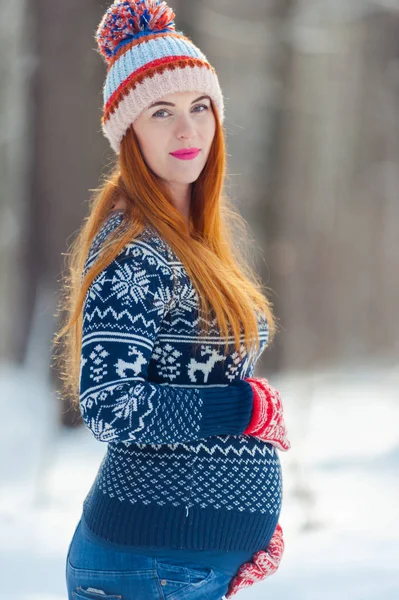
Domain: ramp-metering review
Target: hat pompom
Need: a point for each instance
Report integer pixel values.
(125, 19)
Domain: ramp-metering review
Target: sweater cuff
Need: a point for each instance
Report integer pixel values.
(226, 410)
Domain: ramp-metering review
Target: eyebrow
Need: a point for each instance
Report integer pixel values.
(171, 103)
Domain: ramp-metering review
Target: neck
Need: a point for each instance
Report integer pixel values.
(181, 198)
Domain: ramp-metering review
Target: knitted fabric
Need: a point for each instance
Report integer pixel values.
(147, 59)
(178, 471)
(263, 564)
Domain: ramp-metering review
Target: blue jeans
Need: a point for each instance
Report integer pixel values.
(97, 573)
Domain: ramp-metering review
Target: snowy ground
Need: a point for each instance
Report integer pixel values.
(340, 487)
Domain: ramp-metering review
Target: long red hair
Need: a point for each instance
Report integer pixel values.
(214, 250)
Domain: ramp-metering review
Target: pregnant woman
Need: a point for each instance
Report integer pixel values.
(165, 324)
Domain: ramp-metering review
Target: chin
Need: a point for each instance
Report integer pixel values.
(185, 180)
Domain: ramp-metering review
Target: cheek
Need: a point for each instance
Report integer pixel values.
(150, 138)
(207, 136)
(210, 130)
(153, 148)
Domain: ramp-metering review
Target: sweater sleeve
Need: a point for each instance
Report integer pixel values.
(122, 314)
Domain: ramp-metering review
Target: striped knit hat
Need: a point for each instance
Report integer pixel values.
(147, 59)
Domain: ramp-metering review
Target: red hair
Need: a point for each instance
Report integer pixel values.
(228, 288)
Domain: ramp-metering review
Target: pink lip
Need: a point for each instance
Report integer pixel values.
(186, 153)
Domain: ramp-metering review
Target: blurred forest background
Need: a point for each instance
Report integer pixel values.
(312, 123)
(311, 91)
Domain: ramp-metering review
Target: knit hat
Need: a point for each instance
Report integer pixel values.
(147, 59)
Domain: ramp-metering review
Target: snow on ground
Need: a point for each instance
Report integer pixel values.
(341, 494)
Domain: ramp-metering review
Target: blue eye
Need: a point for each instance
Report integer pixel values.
(161, 110)
(204, 105)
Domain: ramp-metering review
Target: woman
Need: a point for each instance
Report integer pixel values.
(165, 326)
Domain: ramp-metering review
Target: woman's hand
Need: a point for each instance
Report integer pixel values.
(267, 421)
(263, 564)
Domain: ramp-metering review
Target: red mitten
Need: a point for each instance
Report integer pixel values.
(263, 564)
(267, 421)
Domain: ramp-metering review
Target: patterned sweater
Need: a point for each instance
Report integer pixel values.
(177, 472)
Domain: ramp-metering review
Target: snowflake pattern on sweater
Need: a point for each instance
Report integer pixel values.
(178, 472)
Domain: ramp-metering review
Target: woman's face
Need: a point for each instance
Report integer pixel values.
(176, 121)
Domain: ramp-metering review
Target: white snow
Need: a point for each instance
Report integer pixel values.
(339, 516)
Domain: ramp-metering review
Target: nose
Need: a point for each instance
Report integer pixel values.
(185, 128)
